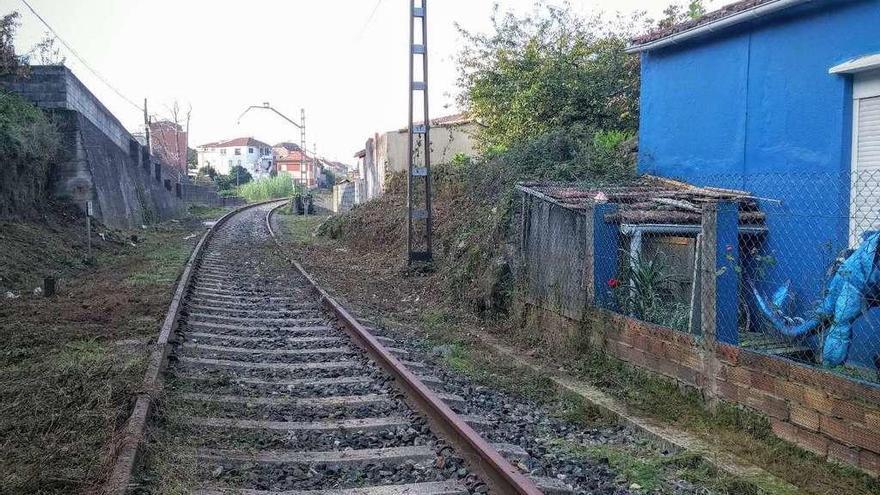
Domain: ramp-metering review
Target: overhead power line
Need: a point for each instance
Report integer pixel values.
(82, 60)
(369, 20)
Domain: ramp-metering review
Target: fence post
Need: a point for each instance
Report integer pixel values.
(719, 270)
(602, 254)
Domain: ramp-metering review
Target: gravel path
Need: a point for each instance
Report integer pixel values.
(264, 393)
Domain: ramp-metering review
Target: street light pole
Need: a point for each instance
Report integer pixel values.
(301, 126)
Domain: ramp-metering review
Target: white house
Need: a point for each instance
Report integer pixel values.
(254, 155)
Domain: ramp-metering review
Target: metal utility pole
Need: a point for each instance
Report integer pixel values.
(419, 177)
(302, 146)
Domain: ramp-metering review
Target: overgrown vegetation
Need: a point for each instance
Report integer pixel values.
(644, 291)
(29, 139)
(538, 131)
(280, 186)
(29, 147)
(71, 365)
(536, 75)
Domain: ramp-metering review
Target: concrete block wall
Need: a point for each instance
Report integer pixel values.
(102, 160)
(344, 197)
(207, 195)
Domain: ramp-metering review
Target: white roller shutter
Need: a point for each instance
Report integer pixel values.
(865, 213)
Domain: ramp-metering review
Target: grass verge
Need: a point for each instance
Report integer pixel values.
(71, 365)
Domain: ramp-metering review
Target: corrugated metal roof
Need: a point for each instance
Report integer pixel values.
(646, 200)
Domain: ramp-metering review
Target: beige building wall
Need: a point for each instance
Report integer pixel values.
(446, 142)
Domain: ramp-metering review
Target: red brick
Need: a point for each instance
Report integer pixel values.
(727, 390)
(656, 347)
(818, 400)
(805, 418)
(740, 376)
(641, 342)
(785, 430)
(848, 410)
(838, 429)
(728, 353)
(692, 358)
(843, 454)
(771, 406)
(870, 462)
(812, 442)
(669, 368)
(678, 353)
(866, 438)
(836, 385)
(632, 355)
(872, 420)
(789, 390)
(687, 375)
(764, 363)
(764, 382)
(802, 374)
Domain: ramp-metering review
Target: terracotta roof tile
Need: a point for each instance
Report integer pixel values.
(242, 141)
(727, 10)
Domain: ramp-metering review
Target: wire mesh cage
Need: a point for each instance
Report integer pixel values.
(789, 263)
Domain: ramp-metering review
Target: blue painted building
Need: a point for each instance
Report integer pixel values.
(780, 98)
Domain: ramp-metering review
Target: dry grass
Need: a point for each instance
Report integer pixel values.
(71, 365)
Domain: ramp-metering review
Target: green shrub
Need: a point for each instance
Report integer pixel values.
(29, 146)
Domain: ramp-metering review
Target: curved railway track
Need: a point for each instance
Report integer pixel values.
(274, 388)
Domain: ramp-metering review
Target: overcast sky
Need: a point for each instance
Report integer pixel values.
(221, 56)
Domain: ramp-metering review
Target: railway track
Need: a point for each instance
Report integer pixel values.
(273, 388)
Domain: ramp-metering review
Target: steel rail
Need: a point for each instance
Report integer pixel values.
(500, 475)
(127, 447)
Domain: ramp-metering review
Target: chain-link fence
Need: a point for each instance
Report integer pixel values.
(784, 264)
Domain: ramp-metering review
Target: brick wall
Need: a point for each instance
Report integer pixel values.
(834, 417)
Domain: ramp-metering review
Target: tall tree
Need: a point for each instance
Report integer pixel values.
(547, 71)
(10, 63)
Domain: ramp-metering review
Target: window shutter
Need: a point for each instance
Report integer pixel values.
(868, 151)
(865, 209)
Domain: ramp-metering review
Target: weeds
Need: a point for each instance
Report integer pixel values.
(70, 366)
(280, 186)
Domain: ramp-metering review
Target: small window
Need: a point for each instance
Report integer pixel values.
(237, 151)
(222, 151)
(250, 151)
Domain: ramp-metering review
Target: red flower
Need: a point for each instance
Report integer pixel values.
(613, 283)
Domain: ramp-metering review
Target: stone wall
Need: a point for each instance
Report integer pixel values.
(104, 163)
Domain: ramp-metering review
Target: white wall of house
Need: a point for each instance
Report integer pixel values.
(223, 159)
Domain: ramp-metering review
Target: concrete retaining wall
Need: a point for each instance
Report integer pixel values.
(207, 195)
(104, 163)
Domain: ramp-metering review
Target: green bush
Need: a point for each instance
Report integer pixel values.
(280, 186)
(29, 146)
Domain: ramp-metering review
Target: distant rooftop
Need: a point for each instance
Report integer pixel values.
(729, 14)
(242, 141)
